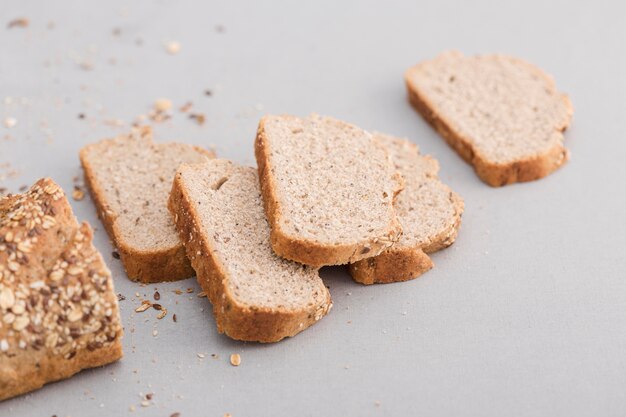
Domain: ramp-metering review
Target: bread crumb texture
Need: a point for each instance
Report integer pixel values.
(58, 308)
(501, 114)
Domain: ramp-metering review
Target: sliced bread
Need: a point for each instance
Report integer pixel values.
(130, 177)
(430, 214)
(328, 189)
(256, 295)
(57, 302)
(501, 114)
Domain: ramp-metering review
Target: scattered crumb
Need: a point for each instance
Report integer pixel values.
(157, 296)
(198, 117)
(175, 415)
(235, 359)
(155, 332)
(174, 318)
(208, 93)
(220, 28)
(10, 122)
(172, 47)
(162, 314)
(201, 355)
(20, 22)
(162, 104)
(120, 297)
(78, 194)
(200, 294)
(86, 65)
(81, 115)
(189, 290)
(186, 107)
(115, 254)
(143, 307)
(377, 403)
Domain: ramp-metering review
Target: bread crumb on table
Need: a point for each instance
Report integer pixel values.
(235, 359)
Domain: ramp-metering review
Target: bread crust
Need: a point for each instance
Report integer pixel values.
(237, 321)
(29, 366)
(147, 266)
(493, 173)
(311, 252)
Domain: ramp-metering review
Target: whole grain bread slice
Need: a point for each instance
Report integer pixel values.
(430, 214)
(501, 114)
(57, 302)
(328, 190)
(256, 295)
(130, 178)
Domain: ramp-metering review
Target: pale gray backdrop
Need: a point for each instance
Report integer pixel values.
(524, 316)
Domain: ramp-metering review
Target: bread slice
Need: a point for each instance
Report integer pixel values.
(256, 295)
(502, 115)
(328, 189)
(58, 307)
(130, 177)
(430, 214)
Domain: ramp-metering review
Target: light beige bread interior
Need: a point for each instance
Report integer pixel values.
(58, 308)
(256, 295)
(130, 177)
(328, 189)
(501, 114)
(430, 214)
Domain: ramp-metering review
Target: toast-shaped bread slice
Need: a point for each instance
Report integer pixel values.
(58, 308)
(501, 114)
(256, 295)
(430, 214)
(328, 189)
(130, 178)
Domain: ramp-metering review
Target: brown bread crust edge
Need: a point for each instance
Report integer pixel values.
(237, 321)
(494, 174)
(310, 252)
(404, 264)
(143, 266)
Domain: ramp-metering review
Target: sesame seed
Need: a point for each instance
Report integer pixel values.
(20, 323)
(7, 298)
(235, 359)
(10, 122)
(172, 47)
(143, 307)
(162, 105)
(4, 345)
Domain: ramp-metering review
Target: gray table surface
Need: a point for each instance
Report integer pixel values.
(524, 316)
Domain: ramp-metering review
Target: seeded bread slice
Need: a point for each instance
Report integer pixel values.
(130, 178)
(328, 190)
(501, 114)
(430, 213)
(256, 295)
(57, 302)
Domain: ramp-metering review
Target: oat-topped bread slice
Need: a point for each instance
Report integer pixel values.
(501, 114)
(58, 308)
(328, 189)
(430, 214)
(256, 295)
(130, 179)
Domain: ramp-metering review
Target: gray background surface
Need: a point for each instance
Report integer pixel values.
(524, 316)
